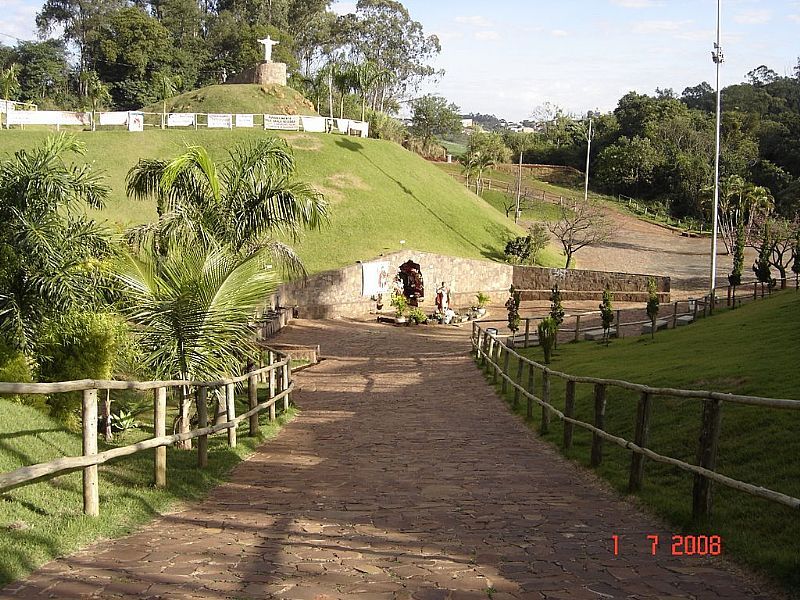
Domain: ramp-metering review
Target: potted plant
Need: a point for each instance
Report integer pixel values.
(483, 300)
(417, 316)
(400, 303)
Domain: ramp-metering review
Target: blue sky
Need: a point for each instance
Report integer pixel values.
(508, 56)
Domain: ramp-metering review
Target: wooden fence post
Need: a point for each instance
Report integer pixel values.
(484, 348)
(546, 399)
(476, 334)
(91, 491)
(272, 386)
(705, 305)
(285, 378)
(230, 410)
(527, 332)
(160, 430)
(599, 422)
(755, 290)
(577, 328)
(640, 437)
(569, 411)
(675, 316)
(619, 324)
(252, 402)
(518, 381)
(496, 360)
(706, 457)
(531, 390)
(202, 423)
(506, 361)
(490, 355)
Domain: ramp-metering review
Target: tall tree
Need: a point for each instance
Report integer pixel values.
(585, 224)
(9, 84)
(433, 115)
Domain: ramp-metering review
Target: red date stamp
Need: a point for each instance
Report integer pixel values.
(679, 545)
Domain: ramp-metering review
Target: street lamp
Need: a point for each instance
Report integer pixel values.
(718, 59)
(588, 152)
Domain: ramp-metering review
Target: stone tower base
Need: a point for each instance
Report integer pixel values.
(265, 73)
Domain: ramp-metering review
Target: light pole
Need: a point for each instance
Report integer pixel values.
(718, 58)
(588, 152)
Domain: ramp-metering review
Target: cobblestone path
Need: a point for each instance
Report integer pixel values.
(403, 477)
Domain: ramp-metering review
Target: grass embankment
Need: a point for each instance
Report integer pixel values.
(45, 520)
(752, 351)
(239, 98)
(379, 193)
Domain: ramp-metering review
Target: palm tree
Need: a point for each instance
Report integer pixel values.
(205, 265)
(50, 253)
(166, 86)
(343, 80)
(366, 76)
(10, 84)
(96, 91)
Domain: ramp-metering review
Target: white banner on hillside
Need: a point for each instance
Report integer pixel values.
(375, 278)
(114, 118)
(180, 120)
(135, 121)
(244, 120)
(48, 117)
(282, 122)
(220, 121)
(6, 106)
(360, 128)
(342, 125)
(314, 124)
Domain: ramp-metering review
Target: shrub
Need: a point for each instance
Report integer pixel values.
(548, 331)
(518, 250)
(384, 127)
(417, 315)
(15, 368)
(512, 305)
(539, 239)
(482, 299)
(79, 346)
(607, 313)
(652, 305)
(400, 303)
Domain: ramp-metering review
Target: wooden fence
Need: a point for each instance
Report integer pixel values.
(277, 373)
(493, 354)
(588, 323)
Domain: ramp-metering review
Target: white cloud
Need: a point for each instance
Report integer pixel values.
(636, 3)
(795, 18)
(474, 20)
(448, 36)
(486, 36)
(559, 33)
(19, 21)
(753, 17)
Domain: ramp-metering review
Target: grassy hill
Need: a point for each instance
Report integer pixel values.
(239, 98)
(379, 193)
(751, 351)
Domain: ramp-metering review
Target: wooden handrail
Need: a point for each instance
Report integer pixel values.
(703, 475)
(103, 384)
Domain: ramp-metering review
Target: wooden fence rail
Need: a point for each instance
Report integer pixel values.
(280, 387)
(710, 426)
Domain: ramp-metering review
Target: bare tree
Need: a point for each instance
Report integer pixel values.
(583, 225)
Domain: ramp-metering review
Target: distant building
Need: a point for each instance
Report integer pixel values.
(467, 123)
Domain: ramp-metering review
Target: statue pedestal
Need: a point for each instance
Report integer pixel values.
(263, 74)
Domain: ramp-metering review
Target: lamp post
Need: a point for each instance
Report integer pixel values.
(718, 58)
(588, 152)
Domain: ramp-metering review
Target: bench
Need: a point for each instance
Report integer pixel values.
(660, 324)
(684, 320)
(594, 335)
(518, 340)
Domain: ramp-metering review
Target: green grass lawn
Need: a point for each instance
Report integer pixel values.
(45, 520)
(379, 193)
(239, 98)
(752, 350)
(531, 210)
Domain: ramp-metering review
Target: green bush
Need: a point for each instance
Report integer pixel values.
(417, 315)
(384, 127)
(79, 346)
(15, 368)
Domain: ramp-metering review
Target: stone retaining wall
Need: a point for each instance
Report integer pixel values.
(535, 283)
(338, 293)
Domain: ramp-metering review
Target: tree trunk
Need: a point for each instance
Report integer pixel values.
(519, 188)
(183, 417)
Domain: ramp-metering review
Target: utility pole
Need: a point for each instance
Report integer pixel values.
(718, 58)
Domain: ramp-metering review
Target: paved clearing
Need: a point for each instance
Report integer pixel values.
(403, 477)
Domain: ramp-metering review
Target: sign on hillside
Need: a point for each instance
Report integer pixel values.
(375, 278)
(113, 118)
(135, 121)
(48, 117)
(282, 122)
(220, 121)
(180, 120)
(315, 124)
(244, 120)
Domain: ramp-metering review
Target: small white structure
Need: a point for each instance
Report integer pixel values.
(268, 43)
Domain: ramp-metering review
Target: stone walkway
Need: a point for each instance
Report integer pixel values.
(403, 477)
